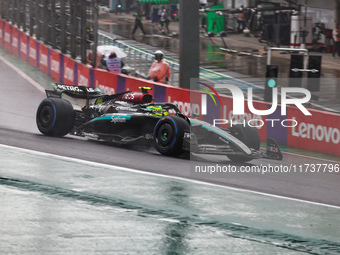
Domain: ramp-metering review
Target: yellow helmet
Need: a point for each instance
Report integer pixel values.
(157, 110)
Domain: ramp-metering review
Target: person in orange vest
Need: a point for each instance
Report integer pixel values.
(336, 39)
(159, 70)
(112, 62)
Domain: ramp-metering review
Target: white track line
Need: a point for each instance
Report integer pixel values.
(81, 161)
(23, 75)
(311, 157)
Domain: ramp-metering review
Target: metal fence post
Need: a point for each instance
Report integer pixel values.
(53, 20)
(140, 60)
(83, 39)
(146, 64)
(25, 15)
(95, 33)
(135, 58)
(46, 16)
(63, 35)
(62, 25)
(172, 72)
(73, 28)
(38, 21)
(31, 14)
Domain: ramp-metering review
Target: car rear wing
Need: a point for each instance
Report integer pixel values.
(82, 92)
(79, 92)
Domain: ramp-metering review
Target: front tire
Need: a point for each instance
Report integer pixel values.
(249, 136)
(55, 117)
(168, 135)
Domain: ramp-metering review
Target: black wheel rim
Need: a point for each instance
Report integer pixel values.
(46, 116)
(165, 135)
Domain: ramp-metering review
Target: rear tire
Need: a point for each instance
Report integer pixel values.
(55, 117)
(168, 135)
(249, 136)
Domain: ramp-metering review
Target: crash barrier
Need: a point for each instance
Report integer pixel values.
(318, 132)
(139, 59)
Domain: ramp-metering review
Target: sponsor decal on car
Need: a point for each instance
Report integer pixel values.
(123, 108)
(75, 88)
(223, 140)
(148, 136)
(129, 96)
(117, 118)
(188, 135)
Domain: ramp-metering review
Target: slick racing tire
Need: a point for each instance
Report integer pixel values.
(168, 135)
(249, 136)
(55, 117)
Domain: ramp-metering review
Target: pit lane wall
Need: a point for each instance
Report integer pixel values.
(318, 132)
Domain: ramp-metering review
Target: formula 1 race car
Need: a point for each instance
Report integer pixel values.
(131, 116)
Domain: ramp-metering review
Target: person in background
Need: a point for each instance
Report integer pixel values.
(174, 12)
(336, 39)
(119, 7)
(165, 21)
(240, 20)
(138, 23)
(159, 70)
(159, 14)
(154, 17)
(112, 63)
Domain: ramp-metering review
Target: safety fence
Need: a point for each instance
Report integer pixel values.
(69, 26)
(139, 59)
(317, 132)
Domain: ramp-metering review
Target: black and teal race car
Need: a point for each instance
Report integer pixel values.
(131, 117)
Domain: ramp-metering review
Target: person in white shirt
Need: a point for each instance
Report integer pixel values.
(112, 62)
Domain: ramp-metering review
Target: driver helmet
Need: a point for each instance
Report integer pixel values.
(157, 111)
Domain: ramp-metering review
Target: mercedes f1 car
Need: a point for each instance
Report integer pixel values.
(131, 116)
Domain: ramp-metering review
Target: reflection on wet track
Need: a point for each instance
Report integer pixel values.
(158, 214)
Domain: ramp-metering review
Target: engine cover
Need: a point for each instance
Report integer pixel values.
(136, 97)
